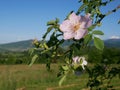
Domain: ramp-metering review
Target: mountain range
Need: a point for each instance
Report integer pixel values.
(112, 43)
(26, 44)
(16, 46)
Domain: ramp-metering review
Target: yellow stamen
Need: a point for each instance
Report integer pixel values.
(76, 27)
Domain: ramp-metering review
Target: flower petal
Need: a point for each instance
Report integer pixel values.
(75, 59)
(80, 33)
(74, 19)
(83, 67)
(88, 15)
(89, 20)
(65, 26)
(84, 62)
(82, 22)
(68, 35)
(86, 21)
(89, 23)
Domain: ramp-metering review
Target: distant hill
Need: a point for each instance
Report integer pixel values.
(108, 43)
(112, 43)
(25, 45)
(3, 50)
(16, 46)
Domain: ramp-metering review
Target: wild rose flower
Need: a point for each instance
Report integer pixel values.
(80, 60)
(75, 26)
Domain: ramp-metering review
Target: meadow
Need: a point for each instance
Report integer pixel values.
(23, 77)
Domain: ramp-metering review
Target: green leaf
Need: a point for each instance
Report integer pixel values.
(76, 66)
(68, 14)
(99, 44)
(62, 79)
(65, 67)
(98, 32)
(81, 9)
(91, 28)
(33, 60)
(87, 39)
(31, 51)
(48, 31)
(57, 20)
(52, 22)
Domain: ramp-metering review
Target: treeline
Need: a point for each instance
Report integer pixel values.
(108, 55)
(14, 57)
(19, 58)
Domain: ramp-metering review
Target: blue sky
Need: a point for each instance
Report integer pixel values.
(26, 19)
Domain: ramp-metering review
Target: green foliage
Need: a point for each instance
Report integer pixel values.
(51, 47)
(97, 32)
(100, 74)
(94, 7)
(14, 57)
(112, 55)
(99, 44)
(95, 56)
(62, 79)
(33, 59)
(87, 39)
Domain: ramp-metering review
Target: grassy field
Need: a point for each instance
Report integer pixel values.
(22, 77)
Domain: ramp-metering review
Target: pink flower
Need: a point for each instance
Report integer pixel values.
(80, 60)
(75, 26)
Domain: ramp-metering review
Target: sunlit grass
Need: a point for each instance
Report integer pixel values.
(13, 77)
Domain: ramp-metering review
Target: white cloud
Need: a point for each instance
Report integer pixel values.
(115, 37)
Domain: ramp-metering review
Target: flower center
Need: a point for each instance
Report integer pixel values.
(76, 27)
